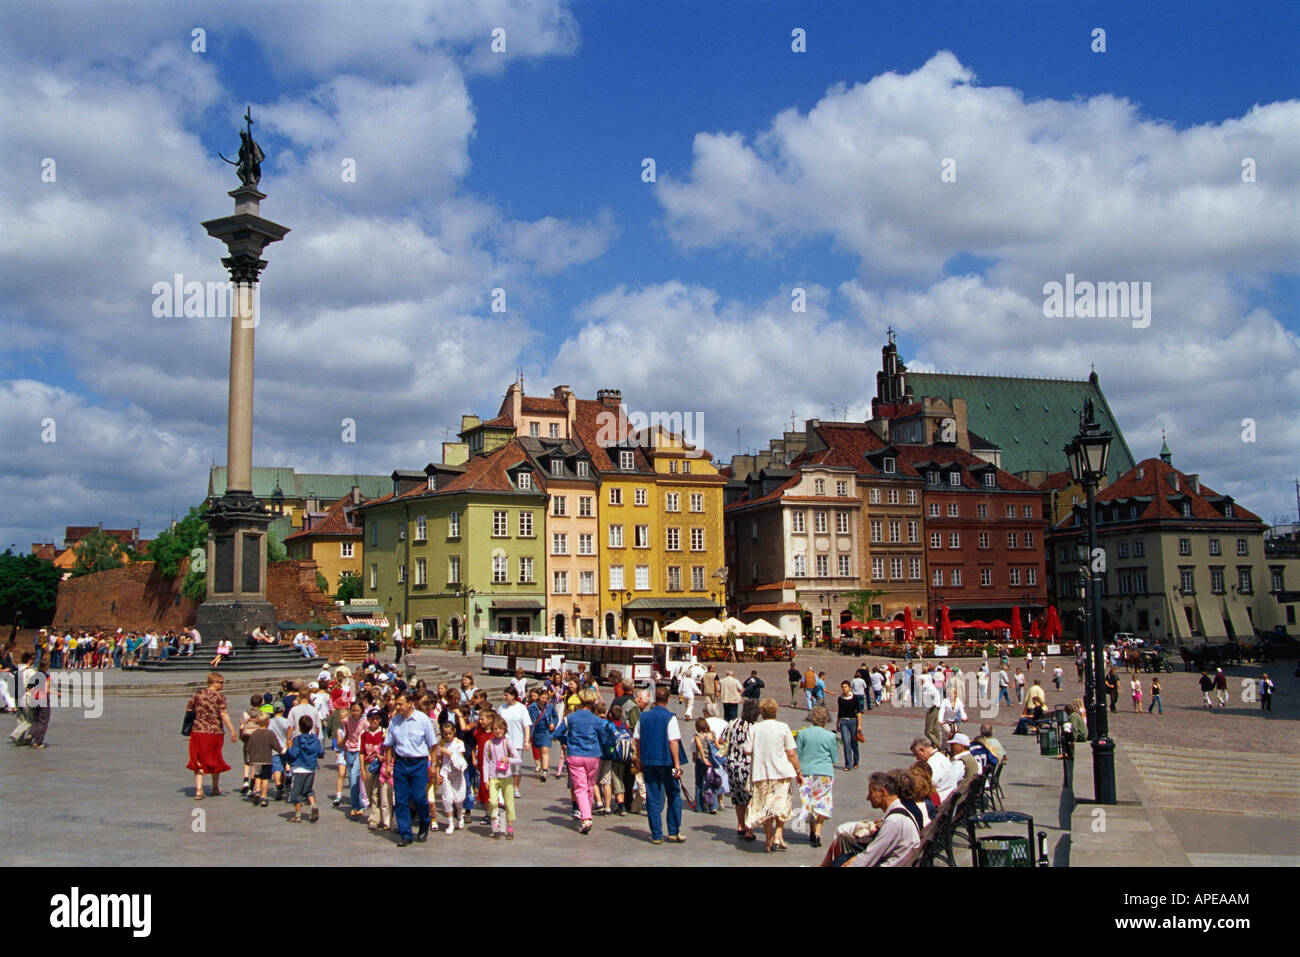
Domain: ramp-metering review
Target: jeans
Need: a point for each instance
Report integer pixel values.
(659, 782)
(701, 769)
(1004, 696)
(471, 786)
(849, 737)
(1155, 705)
(351, 760)
(730, 712)
(864, 701)
(411, 783)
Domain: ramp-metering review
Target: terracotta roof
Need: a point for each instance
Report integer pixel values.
(487, 473)
(1057, 480)
(45, 552)
(587, 428)
(75, 533)
(919, 455)
(769, 497)
(500, 422)
(333, 524)
(847, 445)
(778, 606)
(536, 403)
(773, 586)
(1154, 491)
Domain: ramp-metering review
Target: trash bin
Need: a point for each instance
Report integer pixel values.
(1049, 740)
(1001, 850)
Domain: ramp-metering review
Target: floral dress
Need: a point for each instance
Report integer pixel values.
(739, 763)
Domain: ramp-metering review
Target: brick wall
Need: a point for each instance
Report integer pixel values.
(134, 598)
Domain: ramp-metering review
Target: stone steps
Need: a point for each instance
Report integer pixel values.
(1192, 770)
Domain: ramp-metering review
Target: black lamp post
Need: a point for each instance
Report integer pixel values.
(1083, 555)
(1088, 454)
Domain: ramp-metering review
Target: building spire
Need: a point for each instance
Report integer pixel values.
(1165, 455)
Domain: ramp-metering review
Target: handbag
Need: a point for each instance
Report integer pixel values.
(860, 737)
(188, 724)
(373, 766)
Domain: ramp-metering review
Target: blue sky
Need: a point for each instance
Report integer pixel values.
(522, 171)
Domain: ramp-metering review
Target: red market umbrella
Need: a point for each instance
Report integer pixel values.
(981, 625)
(1034, 631)
(875, 624)
(999, 625)
(958, 624)
(907, 621)
(945, 625)
(854, 625)
(1017, 630)
(1053, 624)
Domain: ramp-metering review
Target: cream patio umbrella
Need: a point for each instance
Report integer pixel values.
(656, 635)
(735, 624)
(712, 628)
(631, 634)
(764, 628)
(685, 623)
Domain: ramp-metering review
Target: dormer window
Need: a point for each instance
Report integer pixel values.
(626, 460)
(819, 486)
(525, 480)
(1187, 510)
(672, 466)
(889, 466)
(1227, 510)
(557, 466)
(990, 480)
(584, 470)
(686, 466)
(954, 478)
(932, 477)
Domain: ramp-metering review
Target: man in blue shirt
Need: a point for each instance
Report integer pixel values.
(658, 746)
(410, 735)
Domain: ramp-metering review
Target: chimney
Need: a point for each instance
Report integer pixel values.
(1173, 480)
(515, 395)
(611, 398)
(1141, 473)
(356, 495)
(560, 391)
(1195, 482)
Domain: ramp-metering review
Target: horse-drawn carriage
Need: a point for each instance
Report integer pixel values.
(1153, 660)
(1209, 657)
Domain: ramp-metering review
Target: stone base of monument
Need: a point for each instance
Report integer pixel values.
(234, 620)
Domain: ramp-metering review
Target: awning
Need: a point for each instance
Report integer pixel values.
(1239, 618)
(517, 604)
(378, 620)
(669, 604)
(1179, 615)
(1212, 626)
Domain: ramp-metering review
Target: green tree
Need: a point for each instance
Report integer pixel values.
(195, 587)
(275, 550)
(860, 602)
(322, 583)
(173, 546)
(349, 588)
(29, 589)
(98, 552)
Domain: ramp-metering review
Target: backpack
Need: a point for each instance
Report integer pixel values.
(621, 750)
(674, 685)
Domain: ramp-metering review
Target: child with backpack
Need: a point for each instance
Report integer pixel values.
(260, 748)
(707, 782)
(623, 780)
(247, 725)
(304, 754)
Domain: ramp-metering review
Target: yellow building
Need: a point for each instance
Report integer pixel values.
(332, 539)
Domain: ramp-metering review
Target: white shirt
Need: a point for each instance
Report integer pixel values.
(520, 685)
(877, 682)
(944, 773)
(697, 672)
(674, 730)
(717, 726)
(769, 740)
(517, 723)
(951, 711)
(687, 686)
(859, 686)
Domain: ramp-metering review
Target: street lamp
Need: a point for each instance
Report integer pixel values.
(1087, 454)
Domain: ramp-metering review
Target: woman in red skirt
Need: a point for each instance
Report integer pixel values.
(210, 713)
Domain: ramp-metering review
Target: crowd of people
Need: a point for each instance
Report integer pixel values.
(76, 650)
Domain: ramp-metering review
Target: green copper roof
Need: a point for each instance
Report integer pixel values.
(300, 485)
(1031, 420)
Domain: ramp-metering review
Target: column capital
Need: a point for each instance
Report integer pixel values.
(244, 268)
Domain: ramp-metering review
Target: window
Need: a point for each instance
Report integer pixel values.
(800, 566)
(936, 579)
(1227, 510)
(1063, 555)
(1186, 581)
(1216, 580)
(873, 496)
(560, 583)
(936, 540)
(697, 576)
(560, 505)
(697, 539)
(421, 528)
(1139, 549)
(796, 522)
(499, 572)
(819, 523)
(990, 480)
(1031, 576)
(956, 578)
(431, 483)
(932, 477)
(986, 577)
(401, 574)
(1184, 546)
(934, 510)
(913, 531)
(671, 501)
(753, 529)
(823, 566)
(525, 481)
(1012, 540)
(641, 536)
(890, 466)
(616, 577)
(453, 525)
(557, 466)
(981, 511)
(842, 489)
(673, 539)
(1125, 583)
(1015, 576)
(534, 430)
(1027, 511)
(615, 495)
(697, 501)
(878, 569)
(374, 534)
(1242, 547)
(1140, 582)
(526, 524)
(374, 576)
(819, 486)
(616, 536)
(1011, 511)
(421, 572)
(626, 460)
(401, 531)
(954, 540)
(672, 466)
(1276, 579)
(586, 583)
(500, 524)
(586, 544)
(914, 569)
(895, 531)
(911, 496)
(952, 510)
(1214, 547)
(1187, 509)
(559, 543)
(893, 496)
(584, 506)
(896, 569)
(555, 430)
(525, 571)
(1029, 539)
(674, 578)
(984, 540)
(841, 523)
(584, 469)
(453, 570)
(1123, 549)
(639, 496)
(1243, 581)
(345, 549)
(954, 478)
(843, 562)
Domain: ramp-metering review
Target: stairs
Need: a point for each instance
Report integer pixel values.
(262, 658)
(1196, 769)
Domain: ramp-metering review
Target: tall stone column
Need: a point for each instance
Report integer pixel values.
(237, 522)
